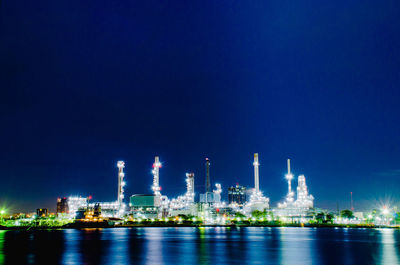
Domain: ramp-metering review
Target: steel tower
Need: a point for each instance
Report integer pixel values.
(208, 185)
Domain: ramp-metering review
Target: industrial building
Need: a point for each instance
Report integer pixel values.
(145, 205)
(237, 194)
(62, 206)
(300, 207)
(257, 200)
(209, 208)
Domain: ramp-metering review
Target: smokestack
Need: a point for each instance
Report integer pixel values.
(256, 176)
(208, 186)
(289, 177)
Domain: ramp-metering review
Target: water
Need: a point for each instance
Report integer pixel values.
(187, 245)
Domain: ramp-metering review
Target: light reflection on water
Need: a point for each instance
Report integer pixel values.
(297, 246)
(211, 245)
(390, 246)
(1, 246)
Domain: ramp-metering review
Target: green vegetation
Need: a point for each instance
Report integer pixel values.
(240, 215)
(346, 214)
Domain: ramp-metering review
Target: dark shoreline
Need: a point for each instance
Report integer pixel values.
(97, 225)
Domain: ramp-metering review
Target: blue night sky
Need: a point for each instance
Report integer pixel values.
(86, 83)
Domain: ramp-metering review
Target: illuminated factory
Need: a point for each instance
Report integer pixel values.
(208, 197)
(237, 195)
(75, 206)
(157, 205)
(257, 200)
(302, 204)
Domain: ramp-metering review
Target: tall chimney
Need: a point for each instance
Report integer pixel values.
(256, 176)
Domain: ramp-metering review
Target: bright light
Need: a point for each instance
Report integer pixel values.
(289, 176)
(385, 210)
(2, 212)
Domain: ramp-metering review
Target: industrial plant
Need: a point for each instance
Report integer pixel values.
(240, 205)
(210, 207)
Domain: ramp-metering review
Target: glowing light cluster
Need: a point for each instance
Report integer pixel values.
(257, 200)
(304, 200)
(156, 176)
(121, 184)
(186, 200)
(74, 203)
(302, 204)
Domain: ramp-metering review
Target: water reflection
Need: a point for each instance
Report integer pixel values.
(389, 247)
(202, 254)
(154, 245)
(260, 245)
(297, 246)
(135, 247)
(72, 253)
(2, 233)
(212, 245)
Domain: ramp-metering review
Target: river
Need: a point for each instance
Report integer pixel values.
(211, 245)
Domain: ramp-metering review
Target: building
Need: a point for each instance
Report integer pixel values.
(62, 205)
(207, 197)
(237, 194)
(42, 212)
(107, 209)
(145, 205)
(76, 203)
(212, 198)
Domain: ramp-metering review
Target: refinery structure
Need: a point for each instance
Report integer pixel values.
(210, 207)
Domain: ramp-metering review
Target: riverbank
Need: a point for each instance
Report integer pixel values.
(106, 225)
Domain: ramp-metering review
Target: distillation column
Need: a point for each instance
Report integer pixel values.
(156, 176)
(190, 186)
(121, 182)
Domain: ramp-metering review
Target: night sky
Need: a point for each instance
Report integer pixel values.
(87, 83)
